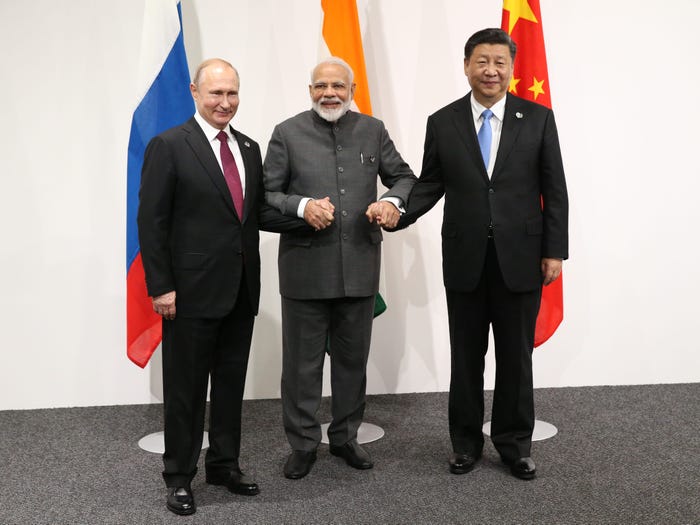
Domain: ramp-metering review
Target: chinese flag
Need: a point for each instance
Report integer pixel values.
(523, 22)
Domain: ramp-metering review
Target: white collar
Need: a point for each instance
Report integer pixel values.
(210, 131)
(498, 109)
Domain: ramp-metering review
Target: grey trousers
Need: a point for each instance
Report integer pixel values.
(310, 328)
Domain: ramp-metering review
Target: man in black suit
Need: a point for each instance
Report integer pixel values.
(504, 235)
(200, 206)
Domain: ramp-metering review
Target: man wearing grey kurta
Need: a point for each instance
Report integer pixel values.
(322, 165)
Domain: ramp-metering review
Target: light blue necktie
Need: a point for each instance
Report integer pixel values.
(484, 136)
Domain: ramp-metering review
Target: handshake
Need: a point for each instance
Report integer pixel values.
(319, 213)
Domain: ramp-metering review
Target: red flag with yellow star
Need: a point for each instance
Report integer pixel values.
(523, 22)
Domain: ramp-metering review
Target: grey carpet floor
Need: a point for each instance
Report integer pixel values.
(623, 455)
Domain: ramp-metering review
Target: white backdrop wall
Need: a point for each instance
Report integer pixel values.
(621, 73)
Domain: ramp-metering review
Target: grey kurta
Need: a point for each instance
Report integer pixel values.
(310, 157)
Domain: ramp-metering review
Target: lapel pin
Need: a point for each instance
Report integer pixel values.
(518, 115)
(246, 144)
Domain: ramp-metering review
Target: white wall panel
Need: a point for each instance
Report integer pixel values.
(622, 77)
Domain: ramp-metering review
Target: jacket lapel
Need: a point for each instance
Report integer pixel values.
(463, 119)
(513, 119)
(197, 140)
(249, 195)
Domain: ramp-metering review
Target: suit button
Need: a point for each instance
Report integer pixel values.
(345, 236)
(339, 148)
(345, 213)
(340, 169)
(491, 190)
(342, 191)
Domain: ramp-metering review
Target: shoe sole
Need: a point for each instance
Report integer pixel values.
(525, 476)
(299, 475)
(181, 512)
(361, 466)
(461, 470)
(296, 476)
(239, 491)
(243, 492)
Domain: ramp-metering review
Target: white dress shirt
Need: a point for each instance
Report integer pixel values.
(498, 110)
(211, 133)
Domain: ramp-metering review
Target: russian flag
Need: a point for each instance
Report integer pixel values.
(166, 103)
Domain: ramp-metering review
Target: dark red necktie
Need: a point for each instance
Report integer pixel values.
(233, 178)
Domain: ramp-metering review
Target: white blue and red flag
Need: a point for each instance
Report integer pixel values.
(166, 102)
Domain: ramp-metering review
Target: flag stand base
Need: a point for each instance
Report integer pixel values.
(365, 434)
(156, 443)
(542, 431)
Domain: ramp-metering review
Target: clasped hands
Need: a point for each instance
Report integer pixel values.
(319, 213)
(384, 213)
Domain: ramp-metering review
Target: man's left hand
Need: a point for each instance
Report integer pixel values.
(551, 269)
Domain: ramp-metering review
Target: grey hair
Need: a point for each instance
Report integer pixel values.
(337, 61)
(209, 62)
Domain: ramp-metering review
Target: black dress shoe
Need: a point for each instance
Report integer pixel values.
(235, 481)
(299, 463)
(462, 463)
(523, 468)
(353, 454)
(180, 501)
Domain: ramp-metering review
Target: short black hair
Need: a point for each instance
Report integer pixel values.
(492, 35)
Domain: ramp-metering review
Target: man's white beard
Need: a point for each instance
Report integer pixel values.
(331, 115)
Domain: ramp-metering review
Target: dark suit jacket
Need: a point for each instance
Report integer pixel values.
(192, 240)
(310, 157)
(525, 201)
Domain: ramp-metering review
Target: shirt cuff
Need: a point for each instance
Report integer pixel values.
(396, 202)
(302, 205)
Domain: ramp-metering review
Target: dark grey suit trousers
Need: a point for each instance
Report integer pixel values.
(310, 328)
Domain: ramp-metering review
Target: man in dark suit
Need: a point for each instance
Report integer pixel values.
(322, 165)
(496, 159)
(200, 200)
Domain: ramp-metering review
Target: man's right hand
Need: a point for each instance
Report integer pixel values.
(165, 305)
(318, 213)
